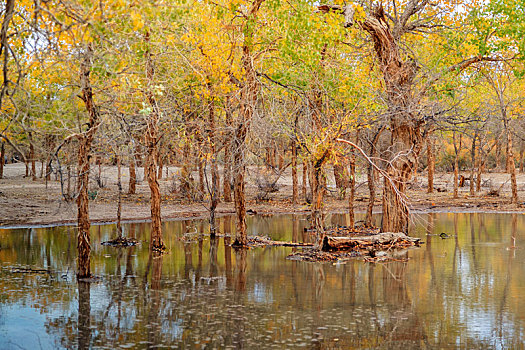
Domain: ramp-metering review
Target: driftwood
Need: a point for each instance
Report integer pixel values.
(257, 241)
(360, 242)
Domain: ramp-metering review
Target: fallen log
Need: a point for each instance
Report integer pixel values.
(386, 238)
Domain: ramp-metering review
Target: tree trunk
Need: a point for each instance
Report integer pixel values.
(248, 98)
(32, 157)
(132, 172)
(295, 185)
(340, 178)
(200, 167)
(472, 166)
(456, 166)
(160, 163)
(84, 154)
(351, 198)
(151, 140)
(2, 159)
(511, 166)
(371, 179)
(215, 195)
(431, 163)
(227, 177)
(119, 200)
(303, 187)
(522, 151)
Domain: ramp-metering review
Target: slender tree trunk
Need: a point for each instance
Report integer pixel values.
(227, 173)
(522, 151)
(431, 162)
(84, 153)
(304, 184)
(248, 99)
(132, 188)
(119, 200)
(160, 163)
(456, 166)
(507, 159)
(351, 199)
(215, 195)
(151, 140)
(473, 165)
(200, 167)
(186, 183)
(2, 159)
(371, 179)
(511, 165)
(295, 185)
(498, 155)
(32, 157)
(340, 178)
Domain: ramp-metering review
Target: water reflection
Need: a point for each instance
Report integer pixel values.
(464, 291)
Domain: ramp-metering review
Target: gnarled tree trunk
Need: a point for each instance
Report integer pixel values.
(248, 98)
(151, 140)
(84, 154)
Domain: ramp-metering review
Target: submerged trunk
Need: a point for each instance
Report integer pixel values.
(248, 97)
(151, 140)
(84, 154)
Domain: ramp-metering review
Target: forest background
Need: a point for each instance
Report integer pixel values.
(198, 92)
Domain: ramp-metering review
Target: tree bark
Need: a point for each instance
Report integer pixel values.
(151, 140)
(456, 166)
(248, 99)
(351, 198)
(227, 176)
(295, 185)
(340, 179)
(371, 179)
(431, 163)
(160, 163)
(473, 164)
(304, 178)
(84, 155)
(32, 156)
(215, 195)
(119, 200)
(522, 151)
(132, 188)
(511, 164)
(2, 159)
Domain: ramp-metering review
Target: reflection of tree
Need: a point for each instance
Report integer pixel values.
(84, 315)
(240, 259)
(153, 319)
(214, 246)
(512, 254)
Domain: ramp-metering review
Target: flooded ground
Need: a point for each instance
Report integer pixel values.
(465, 291)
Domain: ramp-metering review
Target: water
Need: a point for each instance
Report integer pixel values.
(462, 292)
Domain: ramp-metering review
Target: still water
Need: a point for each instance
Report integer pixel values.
(467, 291)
